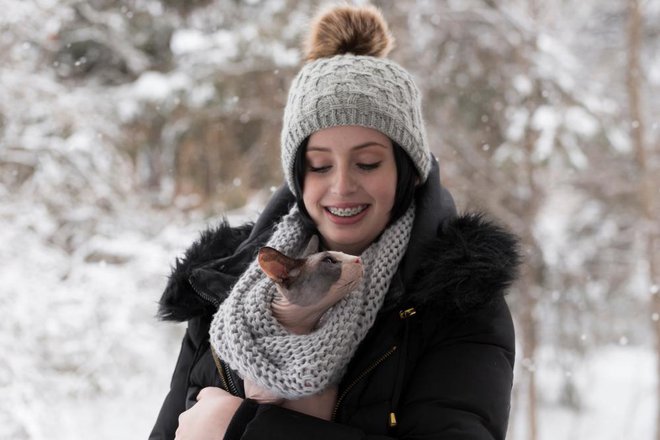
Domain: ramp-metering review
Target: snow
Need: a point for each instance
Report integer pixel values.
(284, 56)
(522, 84)
(88, 355)
(654, 72)
(201, 95)
(156, 87)
(545, 120)
(83, 342)
(85, 261)
(575, 155)
(616, 387)
(517, 122)
(619, 140)
(553, 222)
(557, 61)
(189, 40)
(581, 122)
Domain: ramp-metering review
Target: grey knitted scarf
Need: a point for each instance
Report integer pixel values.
(247, 336)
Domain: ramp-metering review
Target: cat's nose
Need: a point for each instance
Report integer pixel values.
(357, 260)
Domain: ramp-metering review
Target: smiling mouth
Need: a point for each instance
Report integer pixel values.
(346, 212)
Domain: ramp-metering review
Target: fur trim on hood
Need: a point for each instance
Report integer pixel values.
(470, 263)
(180, 301)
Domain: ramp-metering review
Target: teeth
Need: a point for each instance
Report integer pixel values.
(347, 212)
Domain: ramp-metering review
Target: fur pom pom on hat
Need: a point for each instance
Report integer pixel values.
(347, 81)
(347, 29)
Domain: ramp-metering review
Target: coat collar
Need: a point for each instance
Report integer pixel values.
(454, 263)
(435, 206)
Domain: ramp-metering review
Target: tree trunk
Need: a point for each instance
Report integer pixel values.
(531, 274)
(647, 195)
(529, 344)
(531, 279)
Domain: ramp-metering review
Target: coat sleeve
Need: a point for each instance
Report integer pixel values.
(175, 401)
(459, 388)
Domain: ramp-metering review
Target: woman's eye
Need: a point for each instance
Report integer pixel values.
(329, 259)
(321, 169)
(368, 166)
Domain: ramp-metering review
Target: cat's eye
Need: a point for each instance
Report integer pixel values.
(329, 259)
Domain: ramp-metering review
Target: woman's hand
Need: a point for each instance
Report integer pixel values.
(209, 418)
(319, 405)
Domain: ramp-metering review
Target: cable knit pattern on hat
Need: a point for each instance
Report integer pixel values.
(355, 90)
(247, 336)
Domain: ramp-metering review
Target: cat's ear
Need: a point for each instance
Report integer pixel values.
(278, 267)
(312, 246)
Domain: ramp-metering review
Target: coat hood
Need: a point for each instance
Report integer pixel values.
(469, 264)
(454, 263)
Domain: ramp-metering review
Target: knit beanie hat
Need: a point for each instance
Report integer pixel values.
(347, 81)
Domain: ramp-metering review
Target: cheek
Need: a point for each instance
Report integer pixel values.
(386, 196)
(311, 193)
(384, 190)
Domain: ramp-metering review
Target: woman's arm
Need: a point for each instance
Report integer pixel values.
(175, 401)
(459, 389)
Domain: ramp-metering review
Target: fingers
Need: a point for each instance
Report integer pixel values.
(207, 392)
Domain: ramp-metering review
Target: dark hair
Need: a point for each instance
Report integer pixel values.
(406, 182)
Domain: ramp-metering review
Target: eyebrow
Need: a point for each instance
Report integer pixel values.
(356, 147)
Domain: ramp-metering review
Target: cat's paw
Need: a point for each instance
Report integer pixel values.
(261, 395)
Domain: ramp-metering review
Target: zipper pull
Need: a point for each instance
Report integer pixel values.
(392, 422)
(407, 313)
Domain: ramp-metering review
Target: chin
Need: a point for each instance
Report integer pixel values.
(353, 243)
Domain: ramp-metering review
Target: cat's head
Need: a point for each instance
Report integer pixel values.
(320, 278)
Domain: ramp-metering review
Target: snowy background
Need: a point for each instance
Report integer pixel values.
(126, 127)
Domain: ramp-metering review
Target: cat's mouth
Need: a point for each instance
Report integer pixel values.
(349, 286)
(346, 212)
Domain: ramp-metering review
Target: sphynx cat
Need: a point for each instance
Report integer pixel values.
(306, 288)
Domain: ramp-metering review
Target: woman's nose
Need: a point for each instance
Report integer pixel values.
(344, 182)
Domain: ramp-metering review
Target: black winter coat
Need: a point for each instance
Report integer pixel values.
(437, 363)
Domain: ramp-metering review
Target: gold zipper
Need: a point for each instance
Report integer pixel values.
(360, 377)
(221, 371)
(393, 422)
(404, 314)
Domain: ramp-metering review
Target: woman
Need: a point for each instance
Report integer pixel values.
(424, 347)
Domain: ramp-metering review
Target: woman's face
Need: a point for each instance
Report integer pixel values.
(349, 185)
